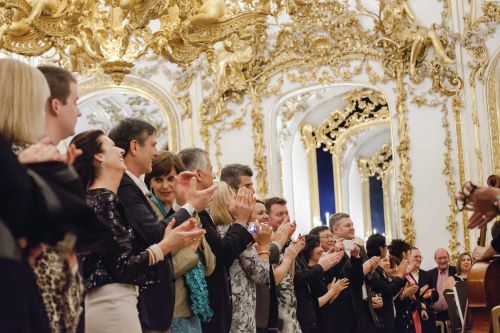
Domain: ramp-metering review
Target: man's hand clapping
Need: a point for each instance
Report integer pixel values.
(241, 205)
(186, 192)
(181, 236)
(370, 265)
(293, 250)
(284, 232)
(409, 290)
(45, 151)
(426, 292)
(330, 259)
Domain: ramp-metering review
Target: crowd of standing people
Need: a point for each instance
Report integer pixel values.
(115, 236)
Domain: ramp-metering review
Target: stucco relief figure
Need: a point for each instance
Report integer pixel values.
(21, 24)
(170, 22)
(209, 12)
(230, 61)
(400, 26)
(127, 5)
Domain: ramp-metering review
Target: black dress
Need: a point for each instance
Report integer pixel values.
(122, 260)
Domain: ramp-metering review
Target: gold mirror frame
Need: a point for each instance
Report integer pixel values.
(94, 86)
(310, 142)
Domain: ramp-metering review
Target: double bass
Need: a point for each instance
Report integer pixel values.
(483, 282)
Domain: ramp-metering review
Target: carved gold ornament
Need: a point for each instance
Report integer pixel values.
(111, 35)
(362, 106)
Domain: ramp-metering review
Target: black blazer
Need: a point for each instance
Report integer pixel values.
(429, 325)
(424, 278)
(344, 314)
(156, 300)
(307, 284)
(380, 283)
(226, 250)
(433, 275)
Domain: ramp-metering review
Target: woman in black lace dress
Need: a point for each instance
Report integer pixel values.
(113, 276)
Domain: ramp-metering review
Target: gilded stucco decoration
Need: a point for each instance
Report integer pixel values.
(377, 165)
(322, 42)
(476, 31)
(112, 35)
(436, 99)
(362, 106)
(493, 99)
(245, 58)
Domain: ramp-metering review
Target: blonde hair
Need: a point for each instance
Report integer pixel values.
(219, 207)
(23, 98)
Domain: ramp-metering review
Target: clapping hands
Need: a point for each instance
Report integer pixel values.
(371, 264)
(46, 151)
(186, 191)
(425, 292)
(182, 236)
(293, 250)
(329, 259)
(241, 205)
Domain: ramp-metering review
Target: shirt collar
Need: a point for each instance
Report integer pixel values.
(139, 183)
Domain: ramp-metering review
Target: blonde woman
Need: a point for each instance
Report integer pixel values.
(23, 98)
(250, 269)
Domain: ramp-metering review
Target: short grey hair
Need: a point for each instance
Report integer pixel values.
(335, 219)
(194, 158)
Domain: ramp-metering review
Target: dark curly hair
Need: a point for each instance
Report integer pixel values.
(90, 144)
(373, 245)
(398, 247)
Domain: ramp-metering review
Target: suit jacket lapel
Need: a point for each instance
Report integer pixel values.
(126, 180)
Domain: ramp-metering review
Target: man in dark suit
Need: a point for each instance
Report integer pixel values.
(226, 249)
(349, 311)
(156, 298)
(438, 277)
(427, 293)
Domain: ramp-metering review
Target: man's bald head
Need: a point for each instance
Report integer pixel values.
(442, 258)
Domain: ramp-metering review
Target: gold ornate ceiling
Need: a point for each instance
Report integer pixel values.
(111, 35)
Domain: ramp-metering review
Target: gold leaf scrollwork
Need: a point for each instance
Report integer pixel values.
(406, 188)
(474, 37)
(378, 165)
(112, 35)
(362, 105)
(448, 172)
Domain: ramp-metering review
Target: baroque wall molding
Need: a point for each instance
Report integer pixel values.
(132, 84)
